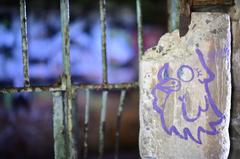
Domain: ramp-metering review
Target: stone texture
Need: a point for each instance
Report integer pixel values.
(236, 54)
(235, 111)
(235, 11)
(185, 92)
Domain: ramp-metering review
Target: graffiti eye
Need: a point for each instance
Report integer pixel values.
(165, 74)
(185, 73)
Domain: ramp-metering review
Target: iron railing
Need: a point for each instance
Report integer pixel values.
(64, 92)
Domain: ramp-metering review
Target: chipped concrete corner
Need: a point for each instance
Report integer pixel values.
(185, 92)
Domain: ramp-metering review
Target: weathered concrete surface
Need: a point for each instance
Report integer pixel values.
(235, 20)
(185, 92)
(235, 111)
(235, 11)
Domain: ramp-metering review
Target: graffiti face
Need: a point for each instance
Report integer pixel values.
(180, 86)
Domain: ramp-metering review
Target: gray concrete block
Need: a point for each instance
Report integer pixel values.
(185, 92)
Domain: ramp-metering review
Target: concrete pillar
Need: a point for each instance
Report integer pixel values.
(235, 20)
(235, 111)
(185, 92)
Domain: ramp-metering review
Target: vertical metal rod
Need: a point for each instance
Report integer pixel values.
(102, 5)
(58, 126)
(65, 42)
(71, 143)
(66, 81)
(140, 28)
(173, 14)
(102, 124)
(119, 117)
(23, 17)
(76, 131)
(87, 105)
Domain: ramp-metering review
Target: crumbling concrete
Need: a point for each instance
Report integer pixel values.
(235, 111)
(185, 92)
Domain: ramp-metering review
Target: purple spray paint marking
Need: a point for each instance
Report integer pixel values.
(185, 68)
(169, 85)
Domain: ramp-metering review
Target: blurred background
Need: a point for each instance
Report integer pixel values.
(26, 118)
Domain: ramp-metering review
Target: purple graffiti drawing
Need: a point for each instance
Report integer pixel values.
(172, 88)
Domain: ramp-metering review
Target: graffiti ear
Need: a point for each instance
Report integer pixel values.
(163, 73)
(210, 74)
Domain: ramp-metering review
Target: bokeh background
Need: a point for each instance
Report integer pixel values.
(26, 118)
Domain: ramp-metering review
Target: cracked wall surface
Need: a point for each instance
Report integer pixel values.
(185, 92)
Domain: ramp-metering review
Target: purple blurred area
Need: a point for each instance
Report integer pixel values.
(26, 126)
(45, 50)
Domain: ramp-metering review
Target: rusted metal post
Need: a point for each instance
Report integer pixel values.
(23, 16)
(119, 117)
(140, 29)
(102, 124)
(66, 81)
(59, 126)
(173, 14)
(102, 4)
(86, 119)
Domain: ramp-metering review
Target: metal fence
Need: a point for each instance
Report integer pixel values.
(64, 121)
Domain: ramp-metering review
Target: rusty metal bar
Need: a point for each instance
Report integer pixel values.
(140, 28)
(102, 124)
(102, 5)
(59, 126)
(66, 77)
(119, 117)
(107, 86)
(75, 87)
(23, 17)
(86, 119)
(173, 15)
(71, 145)
(66, 81)
(30, 89)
